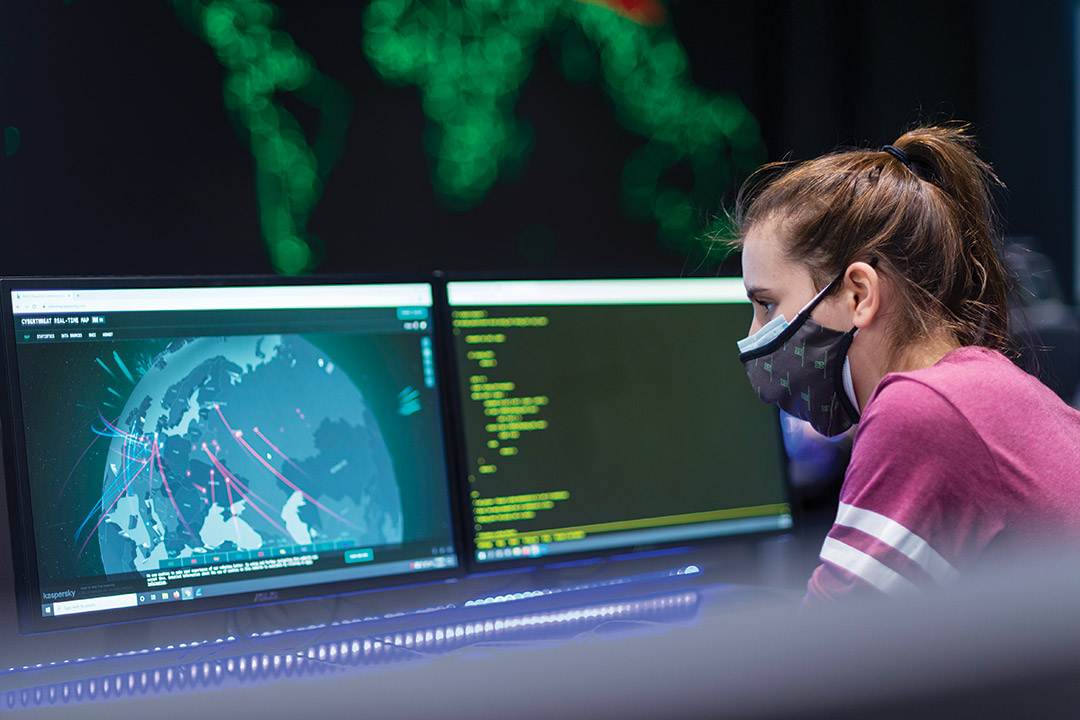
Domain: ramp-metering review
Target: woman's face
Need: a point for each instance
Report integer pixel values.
(775, 285)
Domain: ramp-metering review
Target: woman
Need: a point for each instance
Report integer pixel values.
(885, 261)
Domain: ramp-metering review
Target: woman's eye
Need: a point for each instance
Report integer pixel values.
(766, 305)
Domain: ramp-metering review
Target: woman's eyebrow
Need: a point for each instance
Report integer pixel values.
(755, 290)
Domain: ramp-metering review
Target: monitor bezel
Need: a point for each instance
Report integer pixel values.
(30, 619)
(570, 558)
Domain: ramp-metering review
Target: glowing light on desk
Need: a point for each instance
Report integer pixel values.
(347, 655)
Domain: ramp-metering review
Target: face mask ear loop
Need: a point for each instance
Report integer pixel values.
(809, 308)
(845, 386)
(847, 399)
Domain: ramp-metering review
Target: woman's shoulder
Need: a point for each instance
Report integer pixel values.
(973, 406)
(972, 380)
(948, 406)
(911, 411)
(922, 449)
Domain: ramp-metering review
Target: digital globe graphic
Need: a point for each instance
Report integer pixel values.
(244, 443)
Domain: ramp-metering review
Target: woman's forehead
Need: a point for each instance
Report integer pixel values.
(765, 262)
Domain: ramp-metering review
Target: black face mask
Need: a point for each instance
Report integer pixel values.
(803, 368)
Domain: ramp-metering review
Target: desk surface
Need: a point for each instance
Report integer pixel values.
(679, 646)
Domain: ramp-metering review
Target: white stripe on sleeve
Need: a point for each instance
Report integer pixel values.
(868, 568)
(901, 539)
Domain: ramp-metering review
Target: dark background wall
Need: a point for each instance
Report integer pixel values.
(127, 161)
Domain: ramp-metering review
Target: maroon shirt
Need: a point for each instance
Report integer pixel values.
(951, 463)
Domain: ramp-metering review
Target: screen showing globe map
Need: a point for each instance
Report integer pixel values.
(208, 445)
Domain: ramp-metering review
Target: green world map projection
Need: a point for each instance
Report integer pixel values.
(469, 60)
(261, 64)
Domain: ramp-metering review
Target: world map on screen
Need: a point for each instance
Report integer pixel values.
(242, 443)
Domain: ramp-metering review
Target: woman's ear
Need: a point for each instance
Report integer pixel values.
(863, 285)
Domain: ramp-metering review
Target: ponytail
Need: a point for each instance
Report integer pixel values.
(945, 157)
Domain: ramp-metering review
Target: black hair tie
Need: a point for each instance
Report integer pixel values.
(898, 154)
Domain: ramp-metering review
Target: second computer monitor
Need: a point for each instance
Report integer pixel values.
(606, 414)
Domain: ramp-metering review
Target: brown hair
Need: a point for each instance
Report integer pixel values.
(930, 223)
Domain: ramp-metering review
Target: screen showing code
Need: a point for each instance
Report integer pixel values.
(604, 414)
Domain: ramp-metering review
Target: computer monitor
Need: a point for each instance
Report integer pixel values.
(177, 445)
(609, 414)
